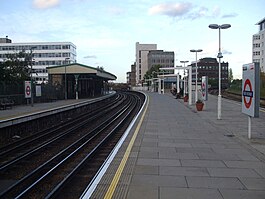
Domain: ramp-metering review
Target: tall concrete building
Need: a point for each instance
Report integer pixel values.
(44, 54)
(142, 51)
(258, 47)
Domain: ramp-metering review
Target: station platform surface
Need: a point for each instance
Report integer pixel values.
(21, 110)
(176, 152)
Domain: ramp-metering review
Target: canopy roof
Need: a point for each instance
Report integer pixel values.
(77, 68)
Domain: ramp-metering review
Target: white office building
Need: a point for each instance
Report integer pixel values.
(142, 51)
(258, 47)
(44, 54)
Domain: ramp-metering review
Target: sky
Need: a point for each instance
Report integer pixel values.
(105, 31)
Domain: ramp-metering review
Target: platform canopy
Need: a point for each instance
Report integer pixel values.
(78, 69)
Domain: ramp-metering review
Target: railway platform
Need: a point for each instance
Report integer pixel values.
(21, 110)
(23, 113)
(173, 151)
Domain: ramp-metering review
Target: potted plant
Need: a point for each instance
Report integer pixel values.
(199, 105)
(185, 98)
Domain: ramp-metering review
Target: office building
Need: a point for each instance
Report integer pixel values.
(44, 54)
(258, 46)
(210, 67)
(161, 58)
(142, 51)
(131, 75)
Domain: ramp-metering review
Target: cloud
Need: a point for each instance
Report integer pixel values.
(184, 10)
(230, 15)
(226, 52)
(90, 57)
(44, 4)
(171, 9)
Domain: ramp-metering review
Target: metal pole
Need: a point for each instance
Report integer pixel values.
(65, 89)
(31, 82)
(190, 83)
(196, 86)
(219, 106)
(249, 127)
(65, 79)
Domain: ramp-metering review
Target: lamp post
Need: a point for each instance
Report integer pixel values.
(31, 71)
(65, 83)
(196, 84)
(219, 27)
(184, 77)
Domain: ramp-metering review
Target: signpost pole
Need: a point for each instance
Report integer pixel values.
(250, 92)
(249, 127)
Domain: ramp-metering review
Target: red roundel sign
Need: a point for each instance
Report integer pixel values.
(28, 90)
(247, 93)
(203, 89)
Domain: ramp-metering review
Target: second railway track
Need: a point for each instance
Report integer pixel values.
(67, 162)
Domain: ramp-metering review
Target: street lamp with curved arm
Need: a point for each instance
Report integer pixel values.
(196, 84)
(185, 88)
(219, 27)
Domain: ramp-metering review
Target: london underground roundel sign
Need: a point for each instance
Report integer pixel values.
(27, 89)
(250, 89)
(247, 94)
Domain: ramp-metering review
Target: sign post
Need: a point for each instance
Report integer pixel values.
(204, 89)
(250, 92)
(27, 89)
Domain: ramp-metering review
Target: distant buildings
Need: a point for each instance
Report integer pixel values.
(210, 67)
(44, 54)
(142, 51)
(148, 56)
(161, 58)
(131, 76)
(258, 46)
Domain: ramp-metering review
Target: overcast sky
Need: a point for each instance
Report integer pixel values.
(105, 32)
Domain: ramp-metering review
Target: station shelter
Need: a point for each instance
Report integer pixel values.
(80, 81)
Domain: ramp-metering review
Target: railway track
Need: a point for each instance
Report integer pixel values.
(238, 97)
(67, 161)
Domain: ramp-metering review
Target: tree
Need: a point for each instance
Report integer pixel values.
(230, 76)
(16, 68)
(152, 72)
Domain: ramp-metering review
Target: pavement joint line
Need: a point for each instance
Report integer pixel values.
(119, 171)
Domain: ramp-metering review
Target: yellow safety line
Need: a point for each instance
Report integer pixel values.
(118, 173)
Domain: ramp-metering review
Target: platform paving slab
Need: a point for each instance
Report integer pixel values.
(182, 153)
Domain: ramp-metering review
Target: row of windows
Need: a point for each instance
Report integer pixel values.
(256, 37)
(51, 55)
(256, 53)
(50, 63)
(168, 56)
(40, 70)
(35, 47)
(256, 45)
(162, 61)
(211, 67)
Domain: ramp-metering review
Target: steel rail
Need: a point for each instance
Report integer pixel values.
(26, 177)
(98, 130)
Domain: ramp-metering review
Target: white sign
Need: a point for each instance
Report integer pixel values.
(250, 90)
(27, 89)
(205, 88)
(38, 91)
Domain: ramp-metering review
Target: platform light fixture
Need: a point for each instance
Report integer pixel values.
(219, 27)
(65, 83)
(196, 81)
